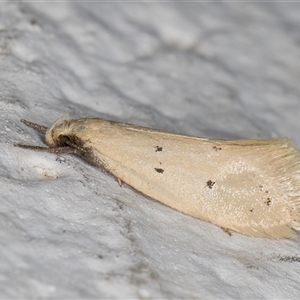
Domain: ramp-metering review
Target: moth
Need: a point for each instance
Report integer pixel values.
(248, 186)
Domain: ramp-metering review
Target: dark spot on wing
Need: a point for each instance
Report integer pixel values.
(268, 202)
(158, 148)
(217, 148)
(159, 170)
(210, 183)
(261, 187)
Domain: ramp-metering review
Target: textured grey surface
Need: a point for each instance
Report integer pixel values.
(226, 70)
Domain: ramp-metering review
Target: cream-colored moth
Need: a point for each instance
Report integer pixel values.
(248, 186)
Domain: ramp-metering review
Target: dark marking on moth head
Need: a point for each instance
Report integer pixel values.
(158, 148)
(210, 183)
(81, 150)
(217, 148)
(252, 209)
(159, 170)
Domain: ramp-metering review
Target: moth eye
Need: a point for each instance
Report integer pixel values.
(63, 140)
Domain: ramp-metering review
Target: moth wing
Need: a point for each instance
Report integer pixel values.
(250, 186)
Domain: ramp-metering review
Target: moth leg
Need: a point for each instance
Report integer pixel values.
(76, 148)
(34, 125)
(227, 231)
(66, 150)
(120, 182)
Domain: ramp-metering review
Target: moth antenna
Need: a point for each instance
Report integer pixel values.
(57, 121)
(34, 125)
(67, 150)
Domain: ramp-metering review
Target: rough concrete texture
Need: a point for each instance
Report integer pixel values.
(67, 230)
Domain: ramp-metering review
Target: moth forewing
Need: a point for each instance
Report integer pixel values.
(249, 186)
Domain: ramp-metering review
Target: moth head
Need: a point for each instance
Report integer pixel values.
(55, 131)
